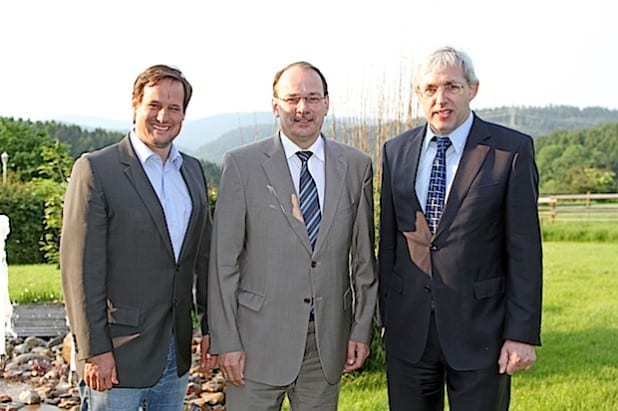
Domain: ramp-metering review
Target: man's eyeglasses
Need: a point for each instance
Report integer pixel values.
(294, 100)
(451, 89)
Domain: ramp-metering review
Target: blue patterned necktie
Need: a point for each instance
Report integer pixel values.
(437, 184)
(309, 202)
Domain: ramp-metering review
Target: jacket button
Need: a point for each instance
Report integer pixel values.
(307, 300)
(313, 264)
(426, 289)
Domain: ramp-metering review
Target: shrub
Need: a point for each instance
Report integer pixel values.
(25, 208)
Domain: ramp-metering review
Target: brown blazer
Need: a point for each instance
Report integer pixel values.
(123, 289)
(483, 264)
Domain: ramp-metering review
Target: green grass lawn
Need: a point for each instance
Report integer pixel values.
(577, 367)
(34, 283)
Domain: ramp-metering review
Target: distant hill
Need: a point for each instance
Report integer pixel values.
(195, 133)
(536, 121)
(210, 137)
(92, 123)
(540, 121)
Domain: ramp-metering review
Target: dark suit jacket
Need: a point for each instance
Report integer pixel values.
(264, 272)
(123, 289)
(482, 266)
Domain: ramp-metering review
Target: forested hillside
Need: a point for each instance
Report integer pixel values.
(579, 161)
(25, 140)
(369, 134)
(577, 149)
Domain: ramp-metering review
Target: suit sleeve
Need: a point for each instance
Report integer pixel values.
(524, 282)
(202, 266)
(387, 237)
(363, 262)
(227, 246)
(83, 267)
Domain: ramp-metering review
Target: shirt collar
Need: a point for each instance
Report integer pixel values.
(144, 152)
(290, 148)
(458, 137)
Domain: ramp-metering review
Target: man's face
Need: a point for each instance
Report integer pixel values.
(445, 96)
(300, 121)
(159, 115)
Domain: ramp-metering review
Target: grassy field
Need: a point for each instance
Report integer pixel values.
(34, 283)
(577, 366)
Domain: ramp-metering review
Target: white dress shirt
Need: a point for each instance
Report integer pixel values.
(453, 156)
(315, 163)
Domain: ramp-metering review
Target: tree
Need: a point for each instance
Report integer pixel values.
(29, 149)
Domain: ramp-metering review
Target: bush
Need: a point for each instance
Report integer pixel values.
(26, 210)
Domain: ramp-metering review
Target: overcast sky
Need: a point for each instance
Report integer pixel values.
(67, 57)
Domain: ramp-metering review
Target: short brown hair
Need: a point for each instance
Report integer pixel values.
(154, 74)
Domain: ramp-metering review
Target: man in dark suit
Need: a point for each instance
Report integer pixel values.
(291, 301)
(134, 245)
(460, 250)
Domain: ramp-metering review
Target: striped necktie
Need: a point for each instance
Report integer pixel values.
(437, 184)
(309, 203)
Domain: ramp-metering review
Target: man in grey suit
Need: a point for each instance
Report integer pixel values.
(460, 249)
(134, 245)
(292, 285)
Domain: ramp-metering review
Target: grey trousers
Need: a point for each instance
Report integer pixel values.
(310, 390)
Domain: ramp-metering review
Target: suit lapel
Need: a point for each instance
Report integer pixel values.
(335, 169)
(193, 180)
(475, 152)
(138, 179)
(411, 153)
(420, 233)
(282, 188)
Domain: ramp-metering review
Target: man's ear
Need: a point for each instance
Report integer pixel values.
(275, 106)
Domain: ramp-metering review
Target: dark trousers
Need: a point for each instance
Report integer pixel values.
(420, 386)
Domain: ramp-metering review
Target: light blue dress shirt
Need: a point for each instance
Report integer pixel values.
(167, 182)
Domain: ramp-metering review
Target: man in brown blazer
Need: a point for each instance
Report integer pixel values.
(291, 301)
(460, 250)
(134, 245)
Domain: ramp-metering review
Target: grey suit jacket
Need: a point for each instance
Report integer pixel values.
(123, 289)
(482, 267)
(264, 273)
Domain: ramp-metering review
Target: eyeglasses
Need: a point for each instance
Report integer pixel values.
(294, 100)
(451, 89)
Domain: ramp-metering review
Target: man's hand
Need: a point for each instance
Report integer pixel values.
(100, 372)
(516, 356)
(232, 365)
(207, 361)
(357, 354)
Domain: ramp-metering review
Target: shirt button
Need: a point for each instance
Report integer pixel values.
(433, 247)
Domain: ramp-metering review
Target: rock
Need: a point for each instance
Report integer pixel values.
(66, 348)
(57, 340)
(29, 397)
(33, 342)
(21, 348)
(213, 398)
(43, 366)
(24, 358)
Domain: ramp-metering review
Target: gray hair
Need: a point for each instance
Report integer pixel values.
(442, 58)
